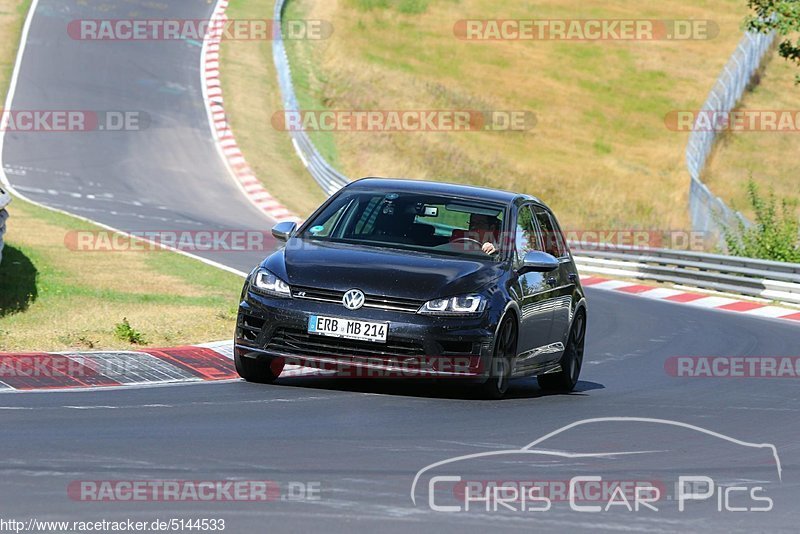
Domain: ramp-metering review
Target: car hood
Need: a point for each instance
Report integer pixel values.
(380, 271)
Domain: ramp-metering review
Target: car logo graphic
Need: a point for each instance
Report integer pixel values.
(533, 449)
(353, 299)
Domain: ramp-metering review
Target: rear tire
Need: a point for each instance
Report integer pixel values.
(259, 371)
(571, 362)
(505, 350)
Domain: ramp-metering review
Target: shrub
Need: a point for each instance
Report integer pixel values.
(773, 236)
(125, 332)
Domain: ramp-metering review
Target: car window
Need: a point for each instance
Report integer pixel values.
(526, 235)
(445, 220)
(324, 230)
(551, 233)
(366, 222)
(432, 223)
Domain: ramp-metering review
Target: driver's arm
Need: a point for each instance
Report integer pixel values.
(489, 248)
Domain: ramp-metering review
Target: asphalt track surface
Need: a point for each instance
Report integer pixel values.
(165, 176)
(360, 441)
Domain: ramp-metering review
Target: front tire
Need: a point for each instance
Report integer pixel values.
(257, 370)
(571, 362)
(505, 350)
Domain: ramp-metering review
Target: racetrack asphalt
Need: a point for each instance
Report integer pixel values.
(361, 442)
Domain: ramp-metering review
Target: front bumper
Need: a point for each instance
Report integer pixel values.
(417, 345)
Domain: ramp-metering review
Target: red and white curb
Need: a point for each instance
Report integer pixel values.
(38, 371)
(226, 143)
(699, 300)
(50, 371)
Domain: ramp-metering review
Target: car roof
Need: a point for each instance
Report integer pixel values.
(422, 186)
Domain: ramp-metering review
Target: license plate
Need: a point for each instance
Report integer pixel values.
(348, 328)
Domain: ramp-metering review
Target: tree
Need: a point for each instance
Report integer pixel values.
(782, 16)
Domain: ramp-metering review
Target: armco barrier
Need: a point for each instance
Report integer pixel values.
(765, 279)
(329, 179)
(5, 198)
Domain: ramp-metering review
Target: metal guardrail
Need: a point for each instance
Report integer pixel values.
(323, 172)
(756, 278)
(769, 280)
(5, 198)
(707, 210)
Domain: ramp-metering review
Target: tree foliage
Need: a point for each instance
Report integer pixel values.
(782, 16)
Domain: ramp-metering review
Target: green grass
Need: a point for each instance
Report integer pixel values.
(54, 298)
(12, 15)
(406, 7)
(306, 80)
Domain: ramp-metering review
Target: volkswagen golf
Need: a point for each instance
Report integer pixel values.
(427, 279)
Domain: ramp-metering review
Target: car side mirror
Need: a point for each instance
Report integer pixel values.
(284, 230)
(538, 262)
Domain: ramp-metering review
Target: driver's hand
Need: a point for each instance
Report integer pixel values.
(488, 248)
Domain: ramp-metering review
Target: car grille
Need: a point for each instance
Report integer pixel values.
(250, 327)
(370, 301)
(294, 341)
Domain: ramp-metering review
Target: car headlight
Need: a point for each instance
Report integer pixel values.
(266, 282)
(461, 305)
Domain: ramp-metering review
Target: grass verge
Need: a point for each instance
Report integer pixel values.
(764, 156)
(12, 16)
(252, 96)
(54, 298)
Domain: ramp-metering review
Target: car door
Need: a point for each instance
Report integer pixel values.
(533, 295)
(561, 281)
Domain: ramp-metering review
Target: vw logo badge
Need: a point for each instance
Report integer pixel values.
(353, 299)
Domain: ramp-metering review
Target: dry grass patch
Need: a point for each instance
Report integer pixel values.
(769, 157)
(600, 154)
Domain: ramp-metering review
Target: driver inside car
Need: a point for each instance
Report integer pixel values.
(482, 228)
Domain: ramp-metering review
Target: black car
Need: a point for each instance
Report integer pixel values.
(420, 278)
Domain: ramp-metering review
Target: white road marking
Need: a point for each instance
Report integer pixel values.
(660, 293)
(611, 284)
(770, 311)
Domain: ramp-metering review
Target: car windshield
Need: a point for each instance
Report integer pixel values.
(434, 224)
